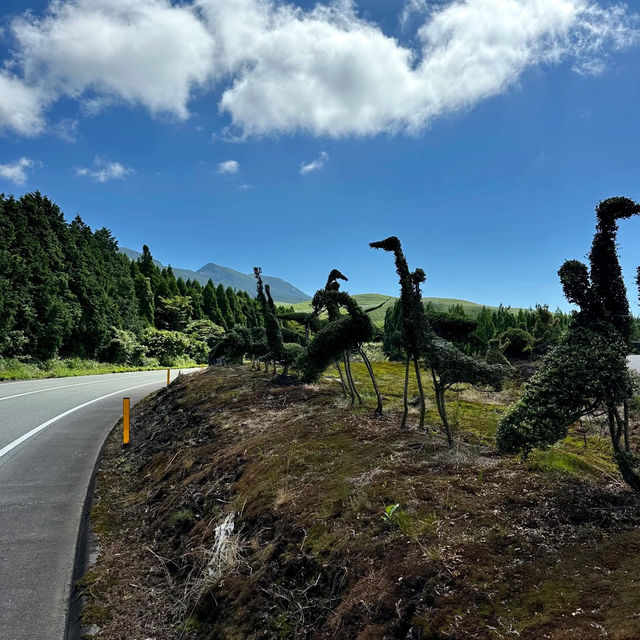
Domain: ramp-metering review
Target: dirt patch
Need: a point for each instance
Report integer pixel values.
(248, 511)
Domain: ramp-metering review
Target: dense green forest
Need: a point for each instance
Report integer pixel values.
(66, 291)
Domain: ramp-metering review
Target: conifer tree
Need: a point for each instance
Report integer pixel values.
(172, 283)
(223, 305)
(264, 310)
(210, 304)
(144, 295)
(587, 372)
(182, 286)
(273, 330)
(145, 263)
(194, 292)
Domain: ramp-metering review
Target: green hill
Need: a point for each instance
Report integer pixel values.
(368, 300)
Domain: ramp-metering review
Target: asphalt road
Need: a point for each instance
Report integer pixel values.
(51, 432)
(634, 363)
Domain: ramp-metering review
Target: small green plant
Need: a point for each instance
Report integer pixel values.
(391, 513)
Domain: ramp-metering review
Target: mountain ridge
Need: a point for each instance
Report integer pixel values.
(281, 290)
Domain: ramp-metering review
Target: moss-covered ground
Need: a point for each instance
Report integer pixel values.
(244, 510)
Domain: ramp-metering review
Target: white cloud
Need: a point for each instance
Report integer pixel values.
(66, 129)
(20, 106)
(148, 51)
(229, 167)
(327, 72)
(16, 171)
(410, 9)
(103, 170)
(282, 69)
(315, 165)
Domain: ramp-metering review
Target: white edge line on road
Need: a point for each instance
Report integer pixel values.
(63, 386)
(44, 425)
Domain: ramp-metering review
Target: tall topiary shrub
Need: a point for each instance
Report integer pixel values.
(448, 364)
(416, 332)
(347, 332)
(587, 371)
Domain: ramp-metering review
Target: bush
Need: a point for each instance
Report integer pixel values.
(124, 348)
(173, 347)
(517, 343)
(204, 331)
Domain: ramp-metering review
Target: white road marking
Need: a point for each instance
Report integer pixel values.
(64, 386)
(44, 425)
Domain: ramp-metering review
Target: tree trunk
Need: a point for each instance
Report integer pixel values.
(442, 408)
(405, 395)
(627, 446)
(420, 391)
(623, 457)
(342, 382)
(352, 395)
(378, 411)
(347, 366)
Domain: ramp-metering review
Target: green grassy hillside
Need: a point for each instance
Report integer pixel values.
(367, 300)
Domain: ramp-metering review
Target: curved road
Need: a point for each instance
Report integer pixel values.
(51, 432)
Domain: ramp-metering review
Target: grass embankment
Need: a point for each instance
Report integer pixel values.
(11, 369)
(479, 547)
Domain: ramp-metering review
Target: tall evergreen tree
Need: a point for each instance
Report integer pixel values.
(210, 304)
(223, 305)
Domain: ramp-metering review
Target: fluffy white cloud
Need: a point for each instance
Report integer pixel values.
(315, 165)
(16, 171)
(328, 72)
(103, 170)
(282, 69)
(20, 106)
(229, 167)
(147, 51)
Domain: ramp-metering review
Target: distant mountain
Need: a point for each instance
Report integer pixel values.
(281, 290)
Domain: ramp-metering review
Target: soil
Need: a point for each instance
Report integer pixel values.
(244, 510)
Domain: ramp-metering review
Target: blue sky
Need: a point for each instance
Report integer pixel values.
(481, 133)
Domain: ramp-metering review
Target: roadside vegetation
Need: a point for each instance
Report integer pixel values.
(12, 369)
(67, 294)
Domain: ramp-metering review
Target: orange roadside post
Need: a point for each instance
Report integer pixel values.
(126, 409)
(168, 377)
